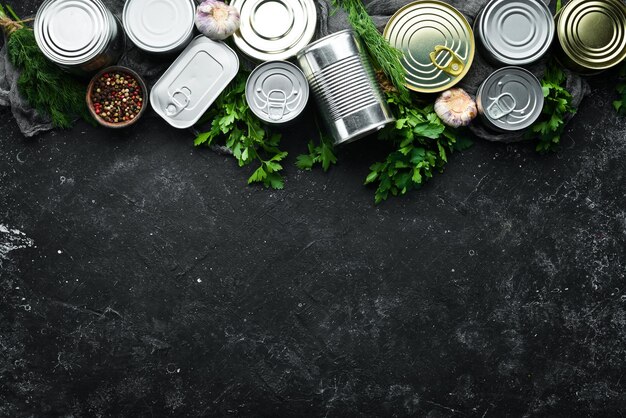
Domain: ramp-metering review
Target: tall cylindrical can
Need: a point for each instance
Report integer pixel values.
(80, 36)
(344, 85)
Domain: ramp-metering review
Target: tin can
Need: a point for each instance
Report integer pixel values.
(159, 26)
(80, 36)
(437, 42)
(591, 35)
(510, 100)
(193, 82)
(344, 85)
(274, 30)
(514, 32)
(277, 92)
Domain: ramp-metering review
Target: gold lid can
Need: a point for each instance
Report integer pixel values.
(437, 42)
(592, 33)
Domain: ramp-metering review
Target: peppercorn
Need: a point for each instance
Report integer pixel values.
(116, 97)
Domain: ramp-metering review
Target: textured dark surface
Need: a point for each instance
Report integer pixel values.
(141, 277)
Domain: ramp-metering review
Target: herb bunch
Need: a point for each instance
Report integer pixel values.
(244, 135)
(557, 106)
(322, 152)
(620, 104)
(421, 144)
(45, 86)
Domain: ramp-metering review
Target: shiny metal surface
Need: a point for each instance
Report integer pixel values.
(437, 42)
(514, 32)
(344, 85)
(193, 82)
(592, 34)
(277, 92)
(159, 26)
(273, 30)
(81, 36)
(510, 99)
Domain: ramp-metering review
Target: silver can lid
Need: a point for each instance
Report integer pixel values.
(510, 99)
(277, 92)
(194, 81)
(72, 32)
(159, 26)
(274, 30)
(515, 32)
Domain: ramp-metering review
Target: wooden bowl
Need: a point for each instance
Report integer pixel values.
(144, 93)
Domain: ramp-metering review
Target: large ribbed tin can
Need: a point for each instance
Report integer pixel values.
(274, 30)
(591, 35)
(344, 85)
(514, 32)
(437, 42)
(159, 26)
(510, 100)
(80, 36)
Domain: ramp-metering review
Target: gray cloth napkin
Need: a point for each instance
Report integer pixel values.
(329, 21)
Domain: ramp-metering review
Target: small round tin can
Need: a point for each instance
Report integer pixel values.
(514, 32)
(591, 35)
(277, 92)
(510, 99)
(345, 87)
(437, 42)
(159, 26)
(80, 36)
(274, 30)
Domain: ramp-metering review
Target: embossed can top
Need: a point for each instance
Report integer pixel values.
(277, 92)
(437, 42)
(510, 99)
(274, 29)
(159, 26)
(515, 32)
(592, 33)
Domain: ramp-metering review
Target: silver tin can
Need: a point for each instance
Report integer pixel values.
(194, 81)
(277, 92)
(345, 87)
(514, 32)
(159, 26)
(274, 30)
(510, 100)
(80, 36)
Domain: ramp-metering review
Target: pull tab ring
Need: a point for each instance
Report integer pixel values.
(176, 106)
(276, 104)
(456, 65)
(499, 109)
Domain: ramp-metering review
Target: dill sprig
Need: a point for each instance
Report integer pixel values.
(45, 86)
(384, 56)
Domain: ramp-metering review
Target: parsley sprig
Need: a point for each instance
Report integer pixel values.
(557, 106)
(322, 152)
(620, 104)
(421, 143)
(244, 135)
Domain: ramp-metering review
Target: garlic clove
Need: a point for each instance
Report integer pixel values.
(217, 20)
(456, 108)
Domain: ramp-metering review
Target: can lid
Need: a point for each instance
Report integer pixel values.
(437, 42)
(274, 29)
(277, 92)
(593, 32)
(516, 32)
(194, 81)
(159, 25)
(72, 31)
(511, 99)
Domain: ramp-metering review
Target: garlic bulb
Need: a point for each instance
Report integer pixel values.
(456, 108)
(216, 19)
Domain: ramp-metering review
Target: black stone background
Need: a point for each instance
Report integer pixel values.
(157, 283)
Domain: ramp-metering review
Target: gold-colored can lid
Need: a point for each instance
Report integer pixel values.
(593, 32)
(437, 42)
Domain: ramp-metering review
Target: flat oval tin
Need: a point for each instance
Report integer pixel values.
(510, 99)
(437, 42)
(193, 82)
(273, 30)
(592, 33)
(514, 32)
(159, 26)
(277, 92)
